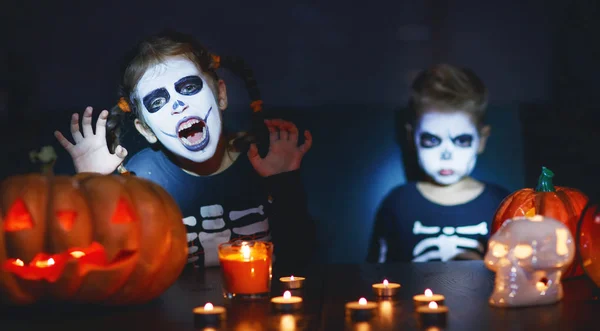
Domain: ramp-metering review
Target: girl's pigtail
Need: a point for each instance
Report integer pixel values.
(240, 68)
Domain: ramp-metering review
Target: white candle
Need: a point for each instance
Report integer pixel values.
(361, 309)
(292, 282)
(427, 297)
(432, 314)
(287, 302)
(385, 288)
(209, 315)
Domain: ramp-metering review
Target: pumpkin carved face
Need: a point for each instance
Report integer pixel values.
(561, 203)
(88, 238)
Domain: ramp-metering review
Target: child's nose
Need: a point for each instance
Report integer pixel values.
(446, 155)
(178, 107)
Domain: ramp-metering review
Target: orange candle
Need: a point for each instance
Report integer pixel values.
(246, 267)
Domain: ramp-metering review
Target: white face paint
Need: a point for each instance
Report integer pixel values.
(447, 145)
(180, 108)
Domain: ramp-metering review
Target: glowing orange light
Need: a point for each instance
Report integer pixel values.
(66, 218)
(44, 264)
(77, 254)
(123, 213)
(18, 217)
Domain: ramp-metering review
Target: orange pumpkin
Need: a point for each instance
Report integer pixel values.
(89, 238)
(561, 203)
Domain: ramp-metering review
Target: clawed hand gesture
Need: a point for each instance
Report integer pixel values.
(90, 152)
(284, 153)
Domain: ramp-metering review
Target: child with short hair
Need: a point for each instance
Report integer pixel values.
(445, 214)
(171, 91)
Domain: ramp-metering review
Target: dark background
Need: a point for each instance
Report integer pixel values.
(339, 68)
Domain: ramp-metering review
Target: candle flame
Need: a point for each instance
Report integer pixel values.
(77, 254)
(362, 301)
(44, 264)
(385, 282)
(287, 295)
(541, 286)
(292, 277)
(19, 263)
(245, 251)
(428, 293)
(433, 305)
(208, 306)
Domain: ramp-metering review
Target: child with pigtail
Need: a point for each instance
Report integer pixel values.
(225, 189)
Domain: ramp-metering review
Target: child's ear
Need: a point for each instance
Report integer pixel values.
(222, 94)
(145, 131)
(484, 134)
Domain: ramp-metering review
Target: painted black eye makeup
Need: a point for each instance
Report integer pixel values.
(428, 140)
(189, 85)
(463, 140)
(156, 99)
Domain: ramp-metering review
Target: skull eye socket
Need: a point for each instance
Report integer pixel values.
(18, 217)
(123, 213)
(522, 251)
(499, 250)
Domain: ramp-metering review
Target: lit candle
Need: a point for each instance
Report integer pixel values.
(208, 315)
(292, 283)
(361, 310)
(246, 268)
(427, 297)
(432, 315)
(287, 302)
(386, 289)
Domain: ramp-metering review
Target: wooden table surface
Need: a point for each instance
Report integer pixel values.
(466, 285)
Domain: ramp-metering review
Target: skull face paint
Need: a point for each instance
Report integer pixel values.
(180, 108)
(447, 145)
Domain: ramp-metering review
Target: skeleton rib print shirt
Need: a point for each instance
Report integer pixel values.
(234, 204)
(408, 227)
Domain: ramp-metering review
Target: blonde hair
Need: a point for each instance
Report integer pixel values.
(446, 88)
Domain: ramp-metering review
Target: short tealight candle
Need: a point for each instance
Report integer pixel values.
(432, 315)
(361, 310)
(292, 283)
(287, 302)
(386, 289)
(427, 297)
(208, 315)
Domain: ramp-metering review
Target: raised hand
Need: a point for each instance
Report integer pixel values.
(284, 153)
(90, 152)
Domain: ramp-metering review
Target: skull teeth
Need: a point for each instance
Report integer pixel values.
(187, 124)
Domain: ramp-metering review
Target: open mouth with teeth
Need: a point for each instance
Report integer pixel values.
(192, 132)
(50, 266)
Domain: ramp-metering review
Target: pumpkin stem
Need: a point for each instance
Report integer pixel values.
(545, 181)
(46, 157)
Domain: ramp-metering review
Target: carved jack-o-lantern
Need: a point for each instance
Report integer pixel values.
(88, 238)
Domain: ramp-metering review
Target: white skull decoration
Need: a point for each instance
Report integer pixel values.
(529, 256)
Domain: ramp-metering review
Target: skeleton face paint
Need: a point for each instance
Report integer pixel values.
(447, 145)
(180, 108)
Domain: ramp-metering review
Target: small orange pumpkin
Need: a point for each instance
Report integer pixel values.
(89, 238)
(561, 203)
